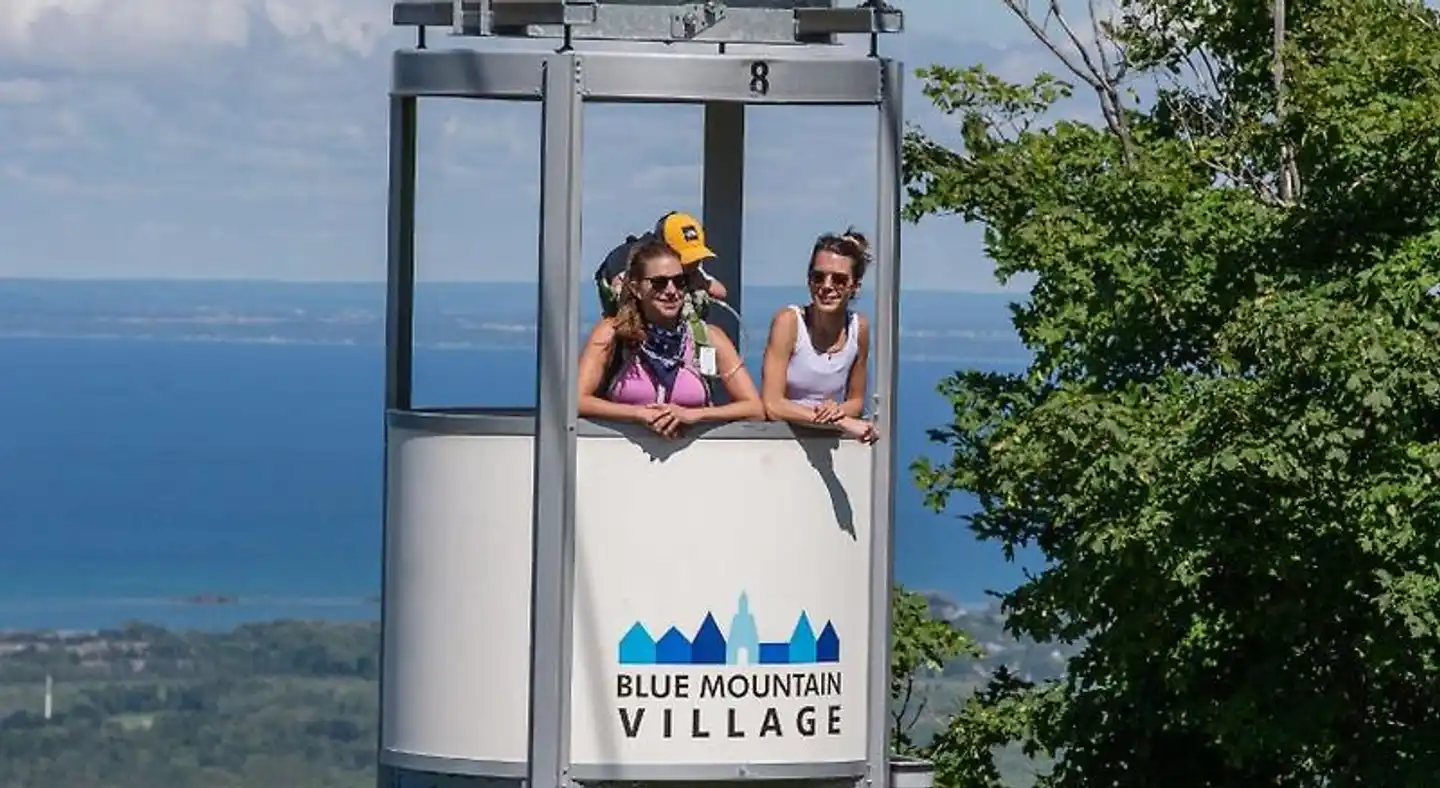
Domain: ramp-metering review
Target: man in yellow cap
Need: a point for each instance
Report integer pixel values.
(681, 232)
(684, 233)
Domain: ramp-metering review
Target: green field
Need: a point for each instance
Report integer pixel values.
(264, 705)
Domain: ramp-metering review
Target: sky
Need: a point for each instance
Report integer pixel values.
(247, 139)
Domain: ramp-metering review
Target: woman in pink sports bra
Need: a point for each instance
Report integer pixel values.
(658, 378)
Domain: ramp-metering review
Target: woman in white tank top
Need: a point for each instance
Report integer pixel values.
(816, 355)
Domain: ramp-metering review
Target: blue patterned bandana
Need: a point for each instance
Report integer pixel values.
(662, 353)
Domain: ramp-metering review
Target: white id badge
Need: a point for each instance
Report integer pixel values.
(707, 360)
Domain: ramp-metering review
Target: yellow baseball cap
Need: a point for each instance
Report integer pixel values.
(684, 233)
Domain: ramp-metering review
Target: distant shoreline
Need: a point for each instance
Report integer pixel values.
(235, 610)
(198, 599)
(212, 612)
(380, 284)
(377, 345)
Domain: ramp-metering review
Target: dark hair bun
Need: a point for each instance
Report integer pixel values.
(858, 238)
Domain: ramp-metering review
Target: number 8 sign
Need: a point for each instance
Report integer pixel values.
(760, 77)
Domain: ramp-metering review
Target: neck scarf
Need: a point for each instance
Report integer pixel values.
(662, 353)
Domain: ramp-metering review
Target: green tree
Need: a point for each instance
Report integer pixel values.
(920, 646)
(1227, 444)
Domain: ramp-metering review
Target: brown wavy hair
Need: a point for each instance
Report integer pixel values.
(629, 320)
(850, 245)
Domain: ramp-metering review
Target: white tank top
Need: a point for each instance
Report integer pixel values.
(814, 377)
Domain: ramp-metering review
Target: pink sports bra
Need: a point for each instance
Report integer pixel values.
(634, 385)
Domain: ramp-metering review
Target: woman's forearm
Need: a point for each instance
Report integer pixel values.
(593, 407)
(795, 413)
(745, 410)
(789, 410)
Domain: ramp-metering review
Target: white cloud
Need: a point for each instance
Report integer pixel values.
(504, 131)
(353, 25)
(87, 34)
(248, 138)
(68, 186)
(96, 31)
(21, 91)
(667, 177)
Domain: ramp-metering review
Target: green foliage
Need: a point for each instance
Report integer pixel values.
(970, 751)
(254, 732)
(285, 703)
(1227, 445)
(274, 648)
(920, 645)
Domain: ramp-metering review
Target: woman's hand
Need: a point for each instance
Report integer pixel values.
(859, 429)
(668, 420)
(659, 419)
(828, 412)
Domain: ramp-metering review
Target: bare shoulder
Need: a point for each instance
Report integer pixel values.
(784, 318)
(604, 331)
(785, 325)
(718, 332)
(863, 323)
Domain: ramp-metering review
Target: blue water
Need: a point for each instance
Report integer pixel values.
(134, 472)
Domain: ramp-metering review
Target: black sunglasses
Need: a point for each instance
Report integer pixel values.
(660, 283)
(831, 278)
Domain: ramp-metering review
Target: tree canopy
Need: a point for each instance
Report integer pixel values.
(1227, 443)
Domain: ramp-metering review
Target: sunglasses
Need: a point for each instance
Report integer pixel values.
(820, 278)
(662, 283)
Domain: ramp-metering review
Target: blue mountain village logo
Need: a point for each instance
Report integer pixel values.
(765, 688)
(743, 647)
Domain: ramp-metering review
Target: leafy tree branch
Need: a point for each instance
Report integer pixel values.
(1226, 446)
(921, 644)
(1102, 71)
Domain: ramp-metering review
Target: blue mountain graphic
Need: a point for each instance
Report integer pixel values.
(710, 646)
(637, 647)
(672, 649)
(827, 646)
(802, 642)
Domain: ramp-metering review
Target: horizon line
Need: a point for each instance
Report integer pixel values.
(382, 282)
